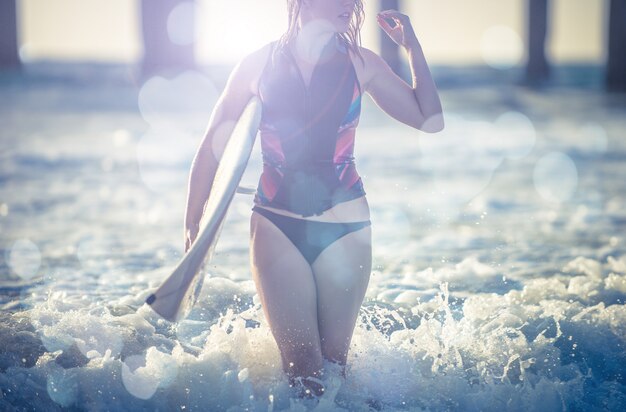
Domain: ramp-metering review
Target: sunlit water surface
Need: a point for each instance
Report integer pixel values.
(499, 257)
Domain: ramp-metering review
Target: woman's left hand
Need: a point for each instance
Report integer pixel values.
(402, 33)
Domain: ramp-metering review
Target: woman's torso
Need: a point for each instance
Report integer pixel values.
(307, 131)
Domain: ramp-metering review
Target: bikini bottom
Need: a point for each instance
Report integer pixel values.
(310, 237)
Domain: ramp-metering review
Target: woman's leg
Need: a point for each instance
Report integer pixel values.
(285, 284)
(342, 273)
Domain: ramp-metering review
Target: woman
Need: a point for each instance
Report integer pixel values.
(310, 231)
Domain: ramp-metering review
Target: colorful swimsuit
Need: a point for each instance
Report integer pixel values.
(307, 134)
(307, 142)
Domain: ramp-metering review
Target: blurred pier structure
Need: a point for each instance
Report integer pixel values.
(161, 54)
(537, 66)
(616, 61)
(9, 57)
(389, 50)
(165, 54)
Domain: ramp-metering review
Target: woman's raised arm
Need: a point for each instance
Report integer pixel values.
(418, 106)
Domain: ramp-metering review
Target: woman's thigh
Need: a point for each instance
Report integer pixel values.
(342, 273)
(287, 290)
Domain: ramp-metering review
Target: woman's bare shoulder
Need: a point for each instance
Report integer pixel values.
(255, 61)
(248, 70)
(366, 66)
(371, 59)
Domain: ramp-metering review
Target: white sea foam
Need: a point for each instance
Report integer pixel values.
(425, 353)
(482, 295)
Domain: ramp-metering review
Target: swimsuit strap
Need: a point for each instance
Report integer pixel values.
(267, 63)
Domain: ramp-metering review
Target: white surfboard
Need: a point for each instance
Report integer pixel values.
(174, 299)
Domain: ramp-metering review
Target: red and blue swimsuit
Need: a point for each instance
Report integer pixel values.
(307, 133)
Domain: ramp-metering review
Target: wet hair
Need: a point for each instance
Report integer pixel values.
(351, 38)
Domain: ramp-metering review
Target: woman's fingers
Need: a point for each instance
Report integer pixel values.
(396, 32)
(398, 17)
(393, 13)
(402, 33)
(383, 23)
(190, 237)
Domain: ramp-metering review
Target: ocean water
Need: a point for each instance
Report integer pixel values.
(499, 256)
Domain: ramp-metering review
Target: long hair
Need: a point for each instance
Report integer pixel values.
(351, 38)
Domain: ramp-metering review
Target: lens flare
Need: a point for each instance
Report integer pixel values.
(62, 386)
(180, 24)
(555, 177)
(518, 134)
(594, 138)
(164, 155)
(136, 380)
(24, 258)
(190, 95)
(143, 375)
(501, 47)
(95, 251)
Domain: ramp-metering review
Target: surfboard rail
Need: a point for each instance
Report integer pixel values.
(174, 299)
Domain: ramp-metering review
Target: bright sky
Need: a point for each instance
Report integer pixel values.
(450, 31)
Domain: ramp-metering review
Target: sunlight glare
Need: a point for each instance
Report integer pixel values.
(232, 29)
